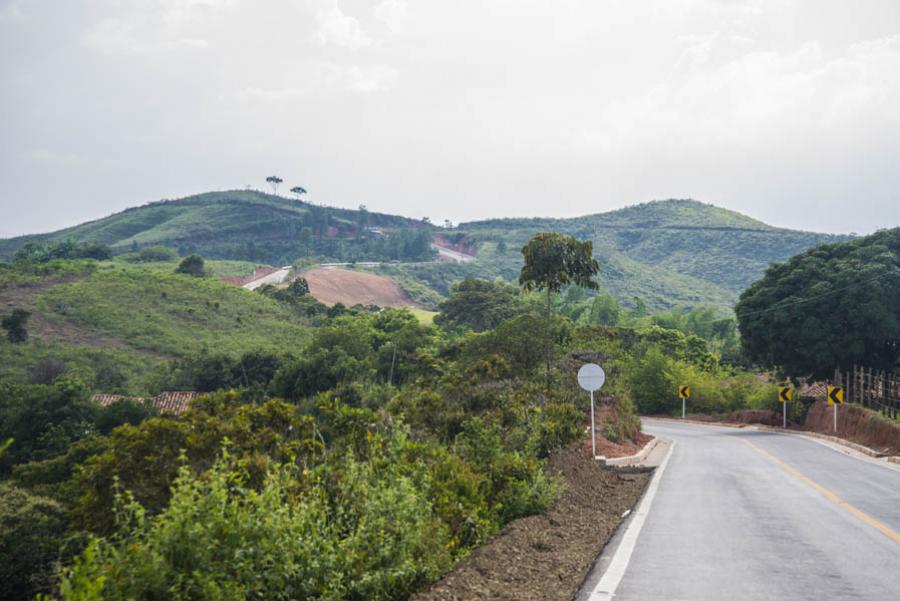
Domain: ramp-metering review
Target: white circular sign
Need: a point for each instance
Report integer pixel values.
(591, 377)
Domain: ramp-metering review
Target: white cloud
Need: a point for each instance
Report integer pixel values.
(152, 26)
(334, 27)
(394, 14)
(325, 79)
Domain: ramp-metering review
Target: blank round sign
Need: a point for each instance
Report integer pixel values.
(591, 377)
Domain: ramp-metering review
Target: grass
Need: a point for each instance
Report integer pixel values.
(424, 317)
(115, 325)
(173, 314)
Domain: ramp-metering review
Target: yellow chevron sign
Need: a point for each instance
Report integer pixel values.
(684, 392)
(785, 393)
(835, 395)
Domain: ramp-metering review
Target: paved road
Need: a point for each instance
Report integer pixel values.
(749, 515)
(452, 255)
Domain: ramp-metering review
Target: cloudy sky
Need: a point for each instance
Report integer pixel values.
(787, 110)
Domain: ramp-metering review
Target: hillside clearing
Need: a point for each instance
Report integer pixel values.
(331, 285)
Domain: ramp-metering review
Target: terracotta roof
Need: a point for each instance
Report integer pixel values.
(175, 403)
(815, 390)
(105, 400)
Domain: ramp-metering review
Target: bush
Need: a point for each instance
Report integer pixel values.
(367, 534)
(31, 530)
(157, 254)
(192, 265)
(14, 324)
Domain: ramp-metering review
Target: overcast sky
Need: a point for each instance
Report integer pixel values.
(788, 111)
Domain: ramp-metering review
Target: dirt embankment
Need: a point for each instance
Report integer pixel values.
(547, 556)
(331, 285)
(856, 424)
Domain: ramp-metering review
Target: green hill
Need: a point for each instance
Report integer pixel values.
(245, 225)
(117, 325)
(669, 253)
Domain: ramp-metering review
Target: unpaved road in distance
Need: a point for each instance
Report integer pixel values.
(276, 277)
(744, 515)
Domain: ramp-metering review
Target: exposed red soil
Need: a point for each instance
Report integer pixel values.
(330, 285)
(461, 246)
(548, 556)
(260, 272)
(612, 450)
(859, 425)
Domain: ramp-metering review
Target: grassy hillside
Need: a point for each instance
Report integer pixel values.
(114, 324)
(669, 253)
(246, 225)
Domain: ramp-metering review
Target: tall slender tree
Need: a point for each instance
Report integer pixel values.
(298, 191)
(274, 180)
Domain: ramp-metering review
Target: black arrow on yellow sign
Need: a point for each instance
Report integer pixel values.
(835, 395)
(785, 393)
(684, 392)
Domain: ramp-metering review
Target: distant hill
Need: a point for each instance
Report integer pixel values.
(245, 225)
(669, 253)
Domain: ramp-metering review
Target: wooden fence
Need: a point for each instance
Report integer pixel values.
(877, 390)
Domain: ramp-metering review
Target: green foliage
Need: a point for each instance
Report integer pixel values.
(192, 265)
(479, 305)
(832, 306)
(154, 254)
(66, 249)
(14, 324)
(172, 314)
(247, 225)
(553, 260)
(31, 530)
(365, 534)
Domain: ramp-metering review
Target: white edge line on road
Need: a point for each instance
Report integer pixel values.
(606, 588)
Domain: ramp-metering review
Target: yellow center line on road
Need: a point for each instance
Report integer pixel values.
(861, 515)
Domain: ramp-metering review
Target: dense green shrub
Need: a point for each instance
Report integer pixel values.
(31, 532)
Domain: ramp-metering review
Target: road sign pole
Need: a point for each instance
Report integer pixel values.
(784, 414)
(682, 407)
(835, 418)
(593, 430)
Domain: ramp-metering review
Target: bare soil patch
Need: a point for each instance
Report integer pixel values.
(331, 285)
(859, 425)
(548, 556)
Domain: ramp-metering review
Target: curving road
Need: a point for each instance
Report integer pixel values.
(742, 515)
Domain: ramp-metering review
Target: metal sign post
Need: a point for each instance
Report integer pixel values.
(591, 377)
(684, 391)
(835, 397)
(785, 394)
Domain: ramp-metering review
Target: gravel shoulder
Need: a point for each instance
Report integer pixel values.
(547, 556)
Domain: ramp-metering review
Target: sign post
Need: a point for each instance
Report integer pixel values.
(835, 397)
(591, 377)
(785, 394)
(684, 391)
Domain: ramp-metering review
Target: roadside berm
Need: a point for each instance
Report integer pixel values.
(548, 556)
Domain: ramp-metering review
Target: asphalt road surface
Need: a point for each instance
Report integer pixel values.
(751, 515)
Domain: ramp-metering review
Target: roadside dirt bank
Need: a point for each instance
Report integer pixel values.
(855, 424)
(547, 556)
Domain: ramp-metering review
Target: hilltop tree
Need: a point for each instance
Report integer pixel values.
(14, 324)
(298, 191)
(553, 260)
(274, 180)
(362, 220)
(834, 305)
